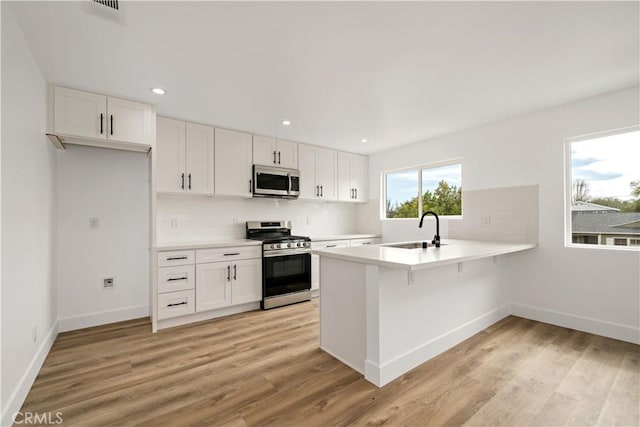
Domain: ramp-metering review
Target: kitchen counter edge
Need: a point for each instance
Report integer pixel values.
(176, 246)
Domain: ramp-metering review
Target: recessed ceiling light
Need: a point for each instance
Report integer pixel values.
(286, 122)
(158, 91)
(364, 140)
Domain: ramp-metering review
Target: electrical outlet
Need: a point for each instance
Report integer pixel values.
(94, 223)
(34, 334)
(174, 223)
(485, 221)
(108, 283)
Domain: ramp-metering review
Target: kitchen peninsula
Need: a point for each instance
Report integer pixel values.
(388, 308)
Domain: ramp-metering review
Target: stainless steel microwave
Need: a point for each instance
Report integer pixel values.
(276, 182)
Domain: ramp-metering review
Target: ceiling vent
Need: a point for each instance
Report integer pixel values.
(108, 9)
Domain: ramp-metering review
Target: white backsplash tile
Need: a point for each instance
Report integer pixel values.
(188, 219)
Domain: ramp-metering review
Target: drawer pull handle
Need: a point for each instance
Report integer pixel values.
(232, 254)
(235, 272)
(177, 303)
(176, 278)
(228, 273)
(366, 243)
(173, 258)
(331, 246)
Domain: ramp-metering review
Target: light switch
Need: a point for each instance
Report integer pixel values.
(94, 223)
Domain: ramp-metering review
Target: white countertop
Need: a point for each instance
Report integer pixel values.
(176, 246)
(344, 237)
(453, 251)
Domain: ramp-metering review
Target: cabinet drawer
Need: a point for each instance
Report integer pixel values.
(174, 304)
(176, 278)
(228, 254)
(330, 244)
(364, 242)
(169, 258)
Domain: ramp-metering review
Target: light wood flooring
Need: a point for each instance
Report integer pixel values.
(264, 368)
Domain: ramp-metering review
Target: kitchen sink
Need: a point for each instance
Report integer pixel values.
(410, 245)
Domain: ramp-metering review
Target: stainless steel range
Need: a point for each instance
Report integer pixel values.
(286, 263)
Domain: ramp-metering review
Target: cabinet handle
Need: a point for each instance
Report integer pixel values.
(228, 273)
(366, 243)
(352, 193)
(331, 246)
(111, 124)
(173, 279)
(321, 191)
(274, 157)
(249, 186)
(177, 303)
(317, 191)
(235, 272)
(189, 181)
(278, 157)
(232, 253)
(182, 185)
(101, 123)
(171, 258)
(356, 190)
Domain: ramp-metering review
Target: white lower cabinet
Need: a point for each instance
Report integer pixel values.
(195, 281)
(221, 284)
(173, 304)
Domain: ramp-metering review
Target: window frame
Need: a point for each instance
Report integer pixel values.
(419, 168)
(568, 188)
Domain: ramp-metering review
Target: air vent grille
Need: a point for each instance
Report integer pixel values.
(112, 4)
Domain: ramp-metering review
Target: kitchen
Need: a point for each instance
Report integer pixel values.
(82, 215)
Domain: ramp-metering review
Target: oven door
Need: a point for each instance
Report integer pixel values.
(285, 274)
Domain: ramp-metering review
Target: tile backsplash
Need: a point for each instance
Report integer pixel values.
(190, 219)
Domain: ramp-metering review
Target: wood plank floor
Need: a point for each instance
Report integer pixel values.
(265, 368)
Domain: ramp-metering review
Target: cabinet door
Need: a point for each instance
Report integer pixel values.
(307, 166)
(246, 284)
(213, 285)
(287, 154)
(170, 155)
(129, 121)
(199, 156)
(233, 157)
(80, 113)
(264, 150)
(345, 186)
(360, 176)
(326, 173)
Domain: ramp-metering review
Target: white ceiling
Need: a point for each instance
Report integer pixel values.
(394, 73)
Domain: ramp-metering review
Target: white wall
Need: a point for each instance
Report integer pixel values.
(588, 289)
(112, 186)
(215, 218)
(28, 221)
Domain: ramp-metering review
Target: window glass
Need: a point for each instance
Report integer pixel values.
(605, 189)
(402, 194)
(440, 188)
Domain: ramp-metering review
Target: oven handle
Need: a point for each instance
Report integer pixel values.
(286, 252)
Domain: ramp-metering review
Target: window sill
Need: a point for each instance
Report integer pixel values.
(602, 247)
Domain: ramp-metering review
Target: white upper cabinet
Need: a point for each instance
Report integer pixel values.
(199, 155)
(86, 118)
(79, 113)
(233, 161)
(318, 172)
(352, 177)
(170, 155)
(184, 157)
(270, 151)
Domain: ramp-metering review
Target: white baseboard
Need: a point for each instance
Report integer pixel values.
(388, 371)
(102, 318)
(594, 326)
(15, 401)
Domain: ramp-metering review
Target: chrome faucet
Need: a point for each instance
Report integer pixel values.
(436, 238)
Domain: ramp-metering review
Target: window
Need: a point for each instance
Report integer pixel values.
(603, 188)
(410, 192)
